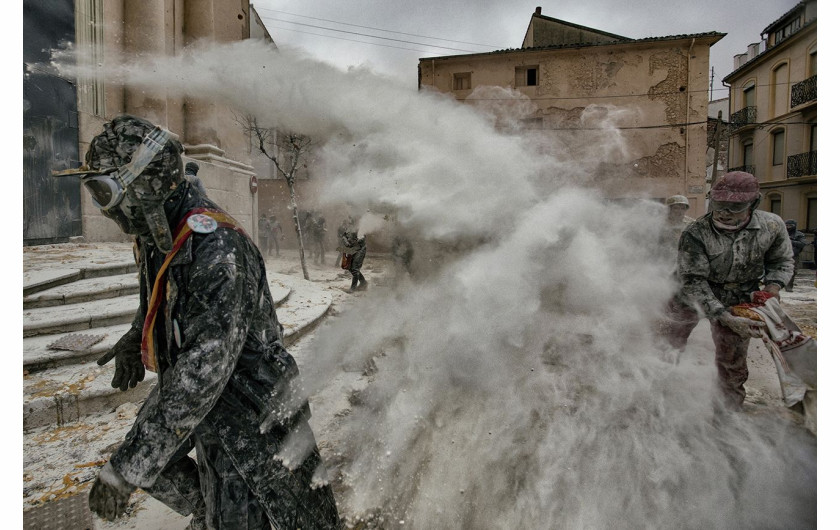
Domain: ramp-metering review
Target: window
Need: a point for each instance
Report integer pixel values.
(789, 29)
(462, 81)
(778, 148)
(776, 205)
(812, 63)
(779, 89)
(748, 153)
(527, 76)
(749, 96)
(813, 140)
(812, 214)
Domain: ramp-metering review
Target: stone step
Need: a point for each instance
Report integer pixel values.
(102, 310)
(37, 356)
(65, 394)
(78, 317)
(66, 386)
(304, 309)
(40, 280)
(86, 290)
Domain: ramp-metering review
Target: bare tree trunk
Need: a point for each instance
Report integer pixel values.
(294, 146)
(298, 231)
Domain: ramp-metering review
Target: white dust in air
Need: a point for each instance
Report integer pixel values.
(518, 384)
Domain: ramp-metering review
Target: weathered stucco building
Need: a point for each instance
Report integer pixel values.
(654, 91)
(773, 105)
(105, 32)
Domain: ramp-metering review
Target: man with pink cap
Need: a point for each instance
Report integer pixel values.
(723, 257)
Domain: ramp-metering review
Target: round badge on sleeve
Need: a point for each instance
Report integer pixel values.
(203, 224)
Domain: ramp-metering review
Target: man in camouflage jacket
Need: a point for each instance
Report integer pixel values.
(217, 346)
(723, 257)
(355, 248)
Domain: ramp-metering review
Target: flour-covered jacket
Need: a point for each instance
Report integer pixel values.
(220, 354)
(720, 269)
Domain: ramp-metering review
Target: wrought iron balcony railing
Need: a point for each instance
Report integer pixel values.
(748, 169)
(743, 117)
(803, 92)
(801, 165)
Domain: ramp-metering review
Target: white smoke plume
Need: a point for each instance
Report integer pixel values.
(370, 223)
(518, 383)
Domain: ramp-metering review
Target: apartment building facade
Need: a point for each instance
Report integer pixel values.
(773, 114)
(654, 92)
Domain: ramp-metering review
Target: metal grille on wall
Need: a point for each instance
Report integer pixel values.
(743, 117)
(748, 169)
(803, 92)
(801, 165)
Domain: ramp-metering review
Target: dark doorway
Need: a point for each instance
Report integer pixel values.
(51, 206)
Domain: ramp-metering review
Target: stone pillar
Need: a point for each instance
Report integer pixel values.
(145, 36)
(211, 134)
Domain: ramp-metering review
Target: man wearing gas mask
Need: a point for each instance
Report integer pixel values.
(724, 256)
(207, 325)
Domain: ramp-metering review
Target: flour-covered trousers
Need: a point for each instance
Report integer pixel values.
(209, 488)
(730, 349)
(356, 262)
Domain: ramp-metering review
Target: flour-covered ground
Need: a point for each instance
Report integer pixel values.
(64, 461)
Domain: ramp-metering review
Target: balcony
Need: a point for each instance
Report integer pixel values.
(743, 117)
(803, 92)
(802, 165)
(747, 169)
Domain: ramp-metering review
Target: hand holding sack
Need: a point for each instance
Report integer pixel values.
(793, 352)
(742, 325)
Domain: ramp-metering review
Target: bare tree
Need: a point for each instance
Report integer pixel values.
(287, 151)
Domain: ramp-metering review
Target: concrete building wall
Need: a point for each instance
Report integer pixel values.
(660, 83)
(209, 133)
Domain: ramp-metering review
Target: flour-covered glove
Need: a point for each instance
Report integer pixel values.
(744, 327)
(773, 288)
(129, 369)
(109, 495)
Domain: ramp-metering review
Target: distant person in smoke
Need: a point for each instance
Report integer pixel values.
(353, 250)
(191, 174)
(206, 323)
(798, 242)
(675, 223)
(314, 227)
(723, 258)
(402, 252)
(274, 234)
(346, 225)
(317, 232)
(263, 230)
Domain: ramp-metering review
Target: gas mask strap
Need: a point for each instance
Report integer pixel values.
(152, 144)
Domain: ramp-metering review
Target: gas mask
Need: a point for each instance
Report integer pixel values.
(131, 169)
(732, 216)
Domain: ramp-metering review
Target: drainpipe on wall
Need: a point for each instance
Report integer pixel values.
(687, 114)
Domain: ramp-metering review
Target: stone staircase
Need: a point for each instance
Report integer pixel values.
(61, 387)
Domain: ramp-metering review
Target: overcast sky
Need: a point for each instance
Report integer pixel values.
(472, 26)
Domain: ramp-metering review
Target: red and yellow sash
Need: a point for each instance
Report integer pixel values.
(182, 233)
